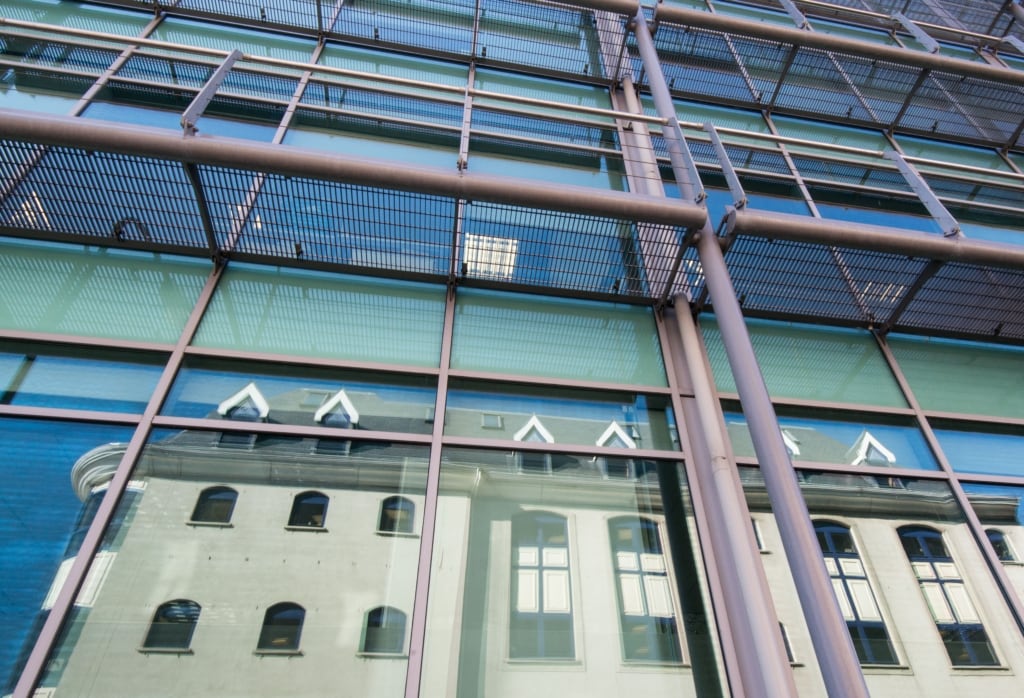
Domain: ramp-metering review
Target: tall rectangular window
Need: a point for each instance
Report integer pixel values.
(541, 619)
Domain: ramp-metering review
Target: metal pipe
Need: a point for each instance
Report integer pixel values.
(833, 647)
(836, 44)
(763, 667)
(796, 228)
(298, 162)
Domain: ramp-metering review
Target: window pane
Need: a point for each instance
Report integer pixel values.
(563, 577)
(950, 376)
(266, 591)
(842, 442)
(556, 338)
(285, 395)
(812, 363)
(77, 15)
(225, 38)
(66, 289)
(42, 522)
(83, 378)
(590, 418)
(931, 587)
(292, 312)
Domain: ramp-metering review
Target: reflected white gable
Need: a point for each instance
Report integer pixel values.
(249, 393)
(340, 400)
(615, 435)
(534, 428)
(867, 447)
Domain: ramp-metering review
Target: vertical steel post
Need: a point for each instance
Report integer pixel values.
(840, 668)
(837, 659)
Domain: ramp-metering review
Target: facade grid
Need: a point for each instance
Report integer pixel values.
(494, 347)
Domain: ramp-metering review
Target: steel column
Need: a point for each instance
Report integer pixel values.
(837, 659)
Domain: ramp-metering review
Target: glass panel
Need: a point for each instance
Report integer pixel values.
(811, 363)
(42, 522)
(538, 336)
(590, 418)
(97, 292)
(347, 399)
(225, 38)
(1000, 510)
(533, 87)
(81, 378)
(561, 578)
(307, 313)
(260, 583)
(951, 152)
(931, 589)
(841, 442)
(987, 453)
(393, 65)
(951, 376)
(76, 14)
(515, 159)
(830, 133)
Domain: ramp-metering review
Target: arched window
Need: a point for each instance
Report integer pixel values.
(396, 515)
(385, 631)
(282, 627)
(854, 594)
(309, 510)
(215, 505)
(541, 620)
(172, 625)
(1002, 546)
(647, 615)
(958, 622)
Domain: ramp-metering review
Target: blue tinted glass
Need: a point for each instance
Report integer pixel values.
(88, 380)
(991, 454)
(133, 114)
(206, 389)
(870, 216)
(39, 519)
(849, 443)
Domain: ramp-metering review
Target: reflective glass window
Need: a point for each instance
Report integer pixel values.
(172, 626)
(986, 452)
(312, 314)
(385, 631)
(342, 399)
(268, 592)
(215, 505)
(589, 418)
(951, 376)
(96, 292)
(78, 15)
(43, 518)
(811, 363)
(557, 338)
(85, 378)
(841, 440)
(226, 38)
(560, 576)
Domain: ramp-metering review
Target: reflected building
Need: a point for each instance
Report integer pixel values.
(487, 348)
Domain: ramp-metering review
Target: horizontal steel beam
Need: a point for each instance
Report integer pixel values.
(796, 228)
(836, 44)
(256, 156)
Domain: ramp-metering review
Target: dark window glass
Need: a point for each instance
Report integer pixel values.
(282, 627)
(173, 625)
(385, 630)
(215, 505)
(1000, 544)
(396, 515)
(957, 621)
(309, 509)
(541, 621)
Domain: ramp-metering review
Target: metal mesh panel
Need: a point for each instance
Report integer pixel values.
(329, 222)
(370, 103)
(175, 71)
(970, 300)
(849, 172)
(259, 85)
(790, 279)
(55, 53)
(293, 13)
(548, 130)
(557, 250)
(100, 195)
(965, 107)
(442, 26)
(540, 35)
(978, 190)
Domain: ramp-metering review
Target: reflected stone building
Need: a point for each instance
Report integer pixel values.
(492, 348)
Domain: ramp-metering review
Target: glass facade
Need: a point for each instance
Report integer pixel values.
(417, 349)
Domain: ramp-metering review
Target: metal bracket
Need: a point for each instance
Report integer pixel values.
(732, 179)
(944, 218)
(917, 32)
(794, 12)
(191, 115)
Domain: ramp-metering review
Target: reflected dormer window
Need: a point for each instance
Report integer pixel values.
(247, 405)
(534, 431)
(337, 412)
